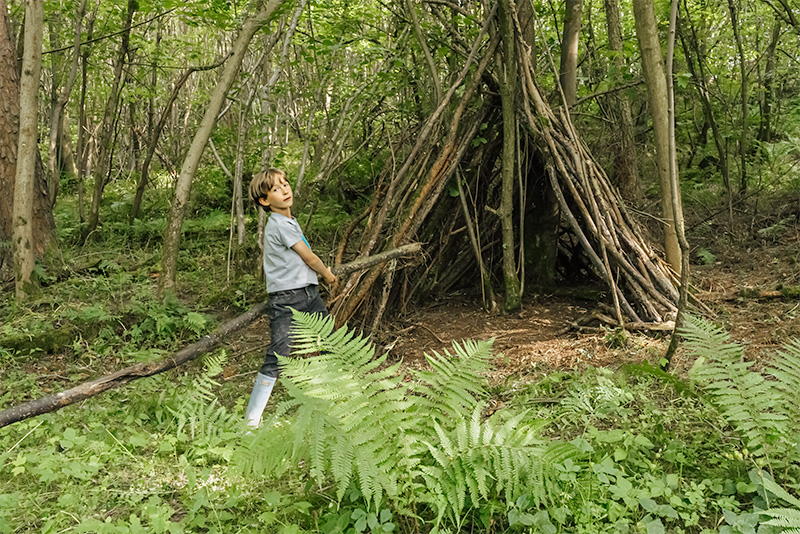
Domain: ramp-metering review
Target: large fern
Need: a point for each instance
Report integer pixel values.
(345, 410)
(747, 399)
(353, 419)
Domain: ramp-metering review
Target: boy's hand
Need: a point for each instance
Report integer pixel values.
(330, 279)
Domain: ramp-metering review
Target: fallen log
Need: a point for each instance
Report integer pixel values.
(85, 390)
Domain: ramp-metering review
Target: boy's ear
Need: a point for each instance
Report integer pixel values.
(263, 202)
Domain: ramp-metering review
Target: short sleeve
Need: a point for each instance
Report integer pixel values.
(290, 234)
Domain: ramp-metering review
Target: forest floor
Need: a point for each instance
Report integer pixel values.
(530, 343)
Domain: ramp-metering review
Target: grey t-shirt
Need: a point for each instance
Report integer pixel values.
(283, 267)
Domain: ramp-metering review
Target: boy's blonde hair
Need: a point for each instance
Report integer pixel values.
(262, 183)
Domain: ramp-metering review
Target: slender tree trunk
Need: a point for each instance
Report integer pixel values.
(699, 74)
(155, 134)
(626, 169)
(675, 199)
(437, 86)
(508, 90)
(653, 66)
(9, 129)
(743, 73)
(83, 127)
(27, 150)
(568, 74)
(767, 100)
(172, 234)
(103, 167)
(57, 111)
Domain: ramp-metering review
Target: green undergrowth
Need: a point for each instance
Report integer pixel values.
(350, 445)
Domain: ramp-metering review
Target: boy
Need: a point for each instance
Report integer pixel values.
(291, 270)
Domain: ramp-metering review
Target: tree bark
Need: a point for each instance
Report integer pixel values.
(144, 179)
(508, 92)
(83, 143)
(169, 253)
(626, 169)
(568, 72)
(677, 208)
(765, 132)
(699, 74)
(743, 137)
(653, 66)
(103, 167)
(57, 110)
(25, 180)
(437, 86)
(42, 219)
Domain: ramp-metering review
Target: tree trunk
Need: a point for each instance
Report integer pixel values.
(508, 91)
(437, 86)
(103, 167)
(626, 169)
(699, 74)
(43, 226)
(653, 66)
(57, 110)
(155, 134)
(765, 133)
(25, 180)
(568, 74)
(675, 199)
(169, 253)
(83, 143)
(743, 73)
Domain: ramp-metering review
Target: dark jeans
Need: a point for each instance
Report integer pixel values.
(306, 299)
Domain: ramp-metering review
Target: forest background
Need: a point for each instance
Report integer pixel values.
(529, 147)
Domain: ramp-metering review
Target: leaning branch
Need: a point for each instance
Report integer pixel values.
(376, 259)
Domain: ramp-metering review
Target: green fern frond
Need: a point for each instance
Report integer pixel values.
(785, 368)
(349, 410)
(457, 380)
(474, 460)
(200, 413)
(787, 518)
(745, 398)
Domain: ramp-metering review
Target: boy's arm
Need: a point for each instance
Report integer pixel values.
(313, 261)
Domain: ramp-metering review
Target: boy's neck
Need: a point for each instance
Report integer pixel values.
(286, 212)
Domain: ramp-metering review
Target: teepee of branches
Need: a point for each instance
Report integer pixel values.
(445, 178)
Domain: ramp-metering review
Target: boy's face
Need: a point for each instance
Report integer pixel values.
(279, 197)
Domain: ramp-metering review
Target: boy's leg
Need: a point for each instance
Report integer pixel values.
(280, 322)
(313, 302)
(259, 398)
(306, 299)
